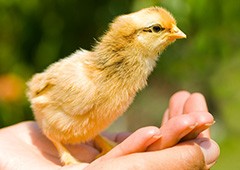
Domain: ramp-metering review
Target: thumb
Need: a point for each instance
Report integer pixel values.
(210, 150)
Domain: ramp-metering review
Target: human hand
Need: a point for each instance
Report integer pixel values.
(186, 118)
(23, 146)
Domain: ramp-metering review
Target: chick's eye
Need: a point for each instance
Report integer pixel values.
(157, 28)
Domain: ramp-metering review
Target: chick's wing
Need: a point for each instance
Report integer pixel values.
(65, 86)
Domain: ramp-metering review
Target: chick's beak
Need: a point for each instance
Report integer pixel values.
(176, 33)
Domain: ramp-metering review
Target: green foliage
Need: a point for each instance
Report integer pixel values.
(36, 33)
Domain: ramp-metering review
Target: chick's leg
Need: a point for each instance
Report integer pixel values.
(105, 144)
(64, 154)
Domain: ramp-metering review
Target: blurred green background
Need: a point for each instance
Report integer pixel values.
(34, 34)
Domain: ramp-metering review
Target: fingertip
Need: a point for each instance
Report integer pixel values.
(177, 102)
(182, 92)
(204, 120)
(179, 95)
(149, 135)
(206, 133)
(138, 140)
(196, 102)
(198, 95)
(210, 150)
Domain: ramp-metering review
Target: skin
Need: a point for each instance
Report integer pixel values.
(151, 147)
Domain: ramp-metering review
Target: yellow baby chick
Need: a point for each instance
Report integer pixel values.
(76, 98)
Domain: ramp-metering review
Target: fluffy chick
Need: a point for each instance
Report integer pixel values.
(76, 98)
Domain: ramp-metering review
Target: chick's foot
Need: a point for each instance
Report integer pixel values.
(65, 156)
(104, 144)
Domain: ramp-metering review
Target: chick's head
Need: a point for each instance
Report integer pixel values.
(151, 29)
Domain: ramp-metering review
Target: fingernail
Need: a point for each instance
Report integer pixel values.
(210, 124)
(153, 139)
(210, 150)
(184, 135)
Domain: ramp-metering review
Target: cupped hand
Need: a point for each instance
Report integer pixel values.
(182, 142)
(186, 119)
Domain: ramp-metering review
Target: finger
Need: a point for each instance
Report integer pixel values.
(196, 102)
(173, 130)
(210, 150)
(176, 103)
(183, 127)
(204, 121)
(139, 141)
